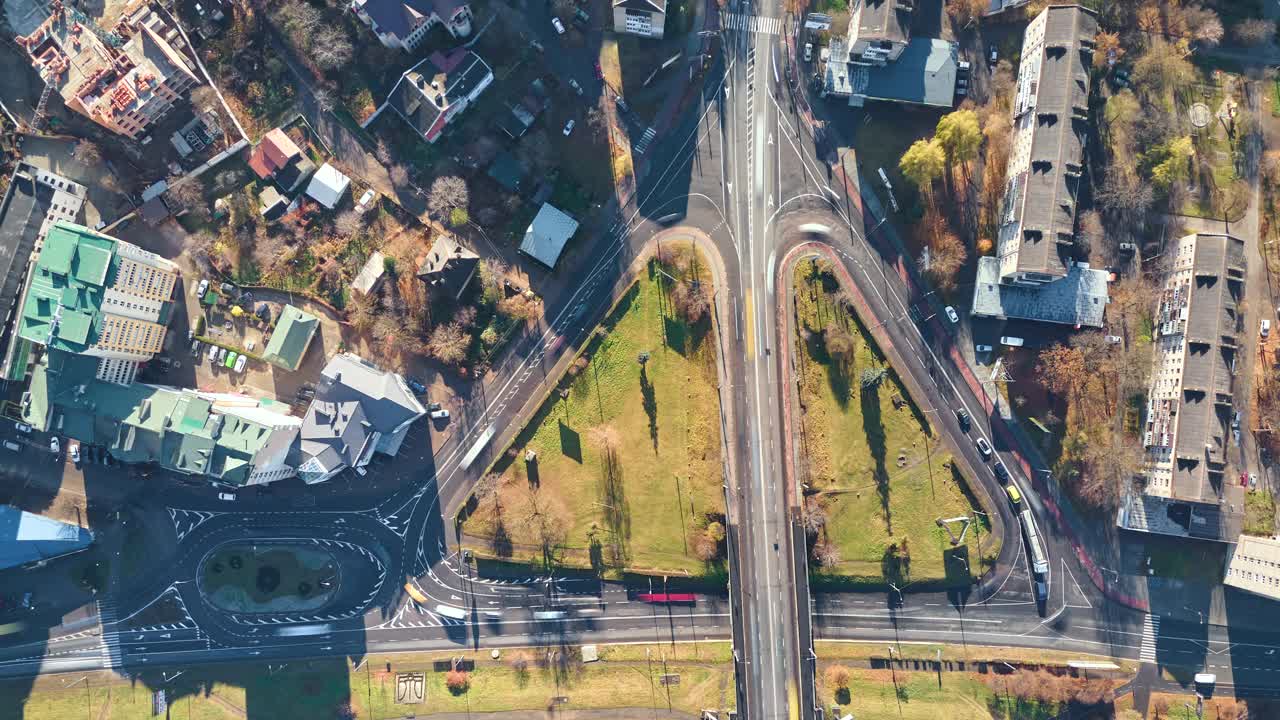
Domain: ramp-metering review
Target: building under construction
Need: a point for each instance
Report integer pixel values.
(124, 80)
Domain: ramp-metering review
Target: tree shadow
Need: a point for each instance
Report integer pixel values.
(500, 542)
(650, 401)
(613, 501)
(895, 563)
(873, 427)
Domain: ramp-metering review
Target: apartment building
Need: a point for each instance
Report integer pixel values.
(404, 23)
(877, 59)
(1254, 566)
(1185, 488)
(1036, 240)
(124, 80)
(435, 91)
(879, 30)
(93, 295)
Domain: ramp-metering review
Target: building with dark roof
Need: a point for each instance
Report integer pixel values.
(1190, 402)
(1051, 122)
(433, 92)
(358, 410)
(646, 18)
(507, 170)
(404, 23)
(448, 268)
(877, 59)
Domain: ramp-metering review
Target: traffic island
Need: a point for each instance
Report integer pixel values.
(885, 504)
(269, 578)
(619, 470)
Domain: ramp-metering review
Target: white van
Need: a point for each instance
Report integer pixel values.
(1011, 341)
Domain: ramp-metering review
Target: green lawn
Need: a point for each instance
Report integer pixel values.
(962, 696)
(632, 508)
(317, 689)
(882, 474)
(240, 575)
(1259, 513)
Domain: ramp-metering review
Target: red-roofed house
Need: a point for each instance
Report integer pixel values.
(279, 158)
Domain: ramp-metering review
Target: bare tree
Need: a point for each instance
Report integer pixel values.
(383, 152)
(691, 302)
(449, 343)
(331, 49)
(188, 195)
(1254, 31)
(87, 152)
(349, 223)
(324, 99)
(826, 554)
(447, 193)
(399, 175)
(815, 515)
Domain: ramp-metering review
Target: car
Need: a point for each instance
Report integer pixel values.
(808, 52)
(222, 354)
(1235, 420)
(440, 414)
(53, 445)
(241, 362)
(195, 349)
(433, 406)
(1264, 329)
(415, 385)
(227, 496)
(962, 90)
(11, 445)
(213, 353)
(22, 427)
(622, 105)
(952, 315)
(1113, 339)
(559, 26)
(1244, 479)
(576, 87)
(1042, 591)
(27, 601)
(1128, 248)
(984, 447)
(568, 127)
(993, 55)
(963, 66)
(202, 288)
(191, 334)
(1015, 497)
(1002, 472)
(983, 348)
(581, 18)
(230, 362)
(962, 416)
(74, 450)
(1011, 341)
(599, 72)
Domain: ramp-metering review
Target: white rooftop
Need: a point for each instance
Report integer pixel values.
(547, 235)
(328, 185)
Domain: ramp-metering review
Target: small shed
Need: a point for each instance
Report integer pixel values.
(371, 275)
(154, 211)
(328, 186)
(291, 338)
(547, 235)
(271, 204)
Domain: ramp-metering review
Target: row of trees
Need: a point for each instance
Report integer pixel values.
(1046, 687)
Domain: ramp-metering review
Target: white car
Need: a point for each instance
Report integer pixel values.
(74, 449)
(213, 353)
(22, 427)
(1113, 339)
(559, 26)
(568, 128)
(808, 52)
(53, 445)
(982, 348)
(240, 363)
(226, 496)
(202, 287)
(951, 314)
(439, 414)
(1265, 328)
(222, 354)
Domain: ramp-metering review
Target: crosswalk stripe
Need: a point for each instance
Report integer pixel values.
(1150, 632)
(754, 23)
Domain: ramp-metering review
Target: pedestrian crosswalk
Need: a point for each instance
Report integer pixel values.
(1150, 632)
(753, 23)
(110, 638)
(643, 143)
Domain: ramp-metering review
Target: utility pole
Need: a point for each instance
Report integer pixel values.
(894, 670)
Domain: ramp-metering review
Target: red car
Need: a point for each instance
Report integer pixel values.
(599, 72)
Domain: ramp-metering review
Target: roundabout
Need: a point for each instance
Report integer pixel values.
(269, 578)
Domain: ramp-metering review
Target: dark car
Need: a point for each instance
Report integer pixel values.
(1001, 471)
(416, 385)
(962, 416)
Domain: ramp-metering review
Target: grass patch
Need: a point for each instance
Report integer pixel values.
(243, 573)
(831, 650)
(962, 696)
(326, 688)
(1259, 513)
(1184, 559)
(872, 457)
(627, 457)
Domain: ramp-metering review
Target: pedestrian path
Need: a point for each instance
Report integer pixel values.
(1150, 633)
(753, 23)
(643, 143)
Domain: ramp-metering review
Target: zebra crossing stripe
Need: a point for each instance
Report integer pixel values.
(110, 651)
(754, 24)
(1150, 632)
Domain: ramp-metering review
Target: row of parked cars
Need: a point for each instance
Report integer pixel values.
(230, 359)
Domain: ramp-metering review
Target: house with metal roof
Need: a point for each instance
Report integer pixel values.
(290, 338)
(30, 539)
(371, 274)
(358, 410)
(919, 71)
(404, 23)
(93, 295)
(547, 235)
(328, 185)
(1186, 488)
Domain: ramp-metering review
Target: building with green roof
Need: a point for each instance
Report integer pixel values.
(230, 438)
(291, 338)
(90, 294)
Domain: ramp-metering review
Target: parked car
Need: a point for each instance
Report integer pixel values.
(202, 288)
(559, 26)
(599, 72)
(1114, 339)
(581, 18)
(195, 349)
(440, 414)
(808, 52)
(983, 348)
(11, 445)
(984, 448)
(222, 354)
(993, 55)
(568, 128)
(576, 87)
(1253, 481)
(230, 362)
(74, 450)
(241, 362)
(1265, 328)
(415, 385)
(433, 406)
(227, 496)
(213, 353)
(22, 427)
(1128, 248)
(622, 105)
(951, 314)
(53, 444)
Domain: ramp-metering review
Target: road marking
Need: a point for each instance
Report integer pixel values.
(1150, 632)
(753, 23)
(750, 336)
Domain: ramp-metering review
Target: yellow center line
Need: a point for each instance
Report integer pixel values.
(748, 324)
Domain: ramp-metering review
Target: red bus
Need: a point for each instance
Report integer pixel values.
(668, 598)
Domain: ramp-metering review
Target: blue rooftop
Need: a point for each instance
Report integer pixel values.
(26, 537)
